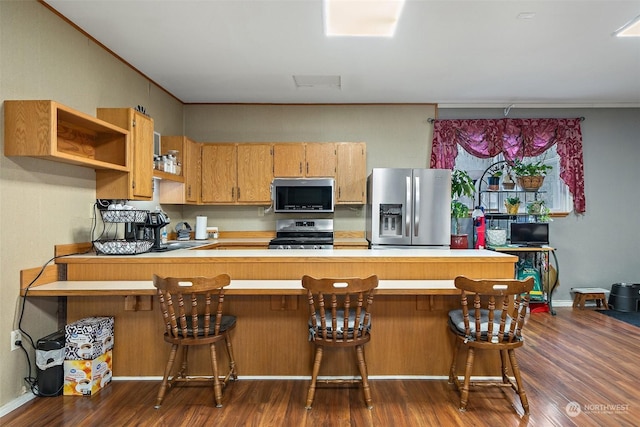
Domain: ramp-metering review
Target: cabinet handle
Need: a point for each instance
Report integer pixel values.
(300, 165)
(238, 193)
(307, 168)
(233, 192)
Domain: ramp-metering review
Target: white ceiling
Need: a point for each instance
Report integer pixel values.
(450, 52)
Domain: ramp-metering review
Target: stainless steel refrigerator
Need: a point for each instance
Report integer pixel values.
(409, 208)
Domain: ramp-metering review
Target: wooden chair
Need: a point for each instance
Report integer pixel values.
(192, 315)
(329, 300)
(494, 322)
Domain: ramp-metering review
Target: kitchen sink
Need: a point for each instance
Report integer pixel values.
(186, 244)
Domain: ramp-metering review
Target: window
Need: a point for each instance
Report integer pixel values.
(518, 138)
(554, 191)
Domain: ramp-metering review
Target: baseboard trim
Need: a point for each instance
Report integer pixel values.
(16, 403)
(562, 303)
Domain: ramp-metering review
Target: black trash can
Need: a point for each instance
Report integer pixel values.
(624, 297)
(50, 364)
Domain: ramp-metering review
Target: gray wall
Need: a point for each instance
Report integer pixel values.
(602, 246)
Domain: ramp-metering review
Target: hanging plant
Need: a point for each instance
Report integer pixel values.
(530, 176)
(530, 169)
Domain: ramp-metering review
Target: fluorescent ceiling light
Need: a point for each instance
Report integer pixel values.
(630, 29)
(377, 18)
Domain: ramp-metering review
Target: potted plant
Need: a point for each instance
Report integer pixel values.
(540, 210)
(512, 204)
(494, 178)
(530, 175)
(461, 185)
(507, 182)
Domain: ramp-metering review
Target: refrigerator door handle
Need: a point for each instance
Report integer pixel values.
(416, 206)
(407, 207)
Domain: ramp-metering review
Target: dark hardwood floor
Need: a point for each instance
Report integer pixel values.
(580, 368)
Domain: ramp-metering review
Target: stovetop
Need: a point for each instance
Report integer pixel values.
(303, 234)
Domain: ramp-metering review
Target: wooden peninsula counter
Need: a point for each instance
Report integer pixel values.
(409, 336)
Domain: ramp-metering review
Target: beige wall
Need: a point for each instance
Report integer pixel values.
(396, 136)
(43, 202)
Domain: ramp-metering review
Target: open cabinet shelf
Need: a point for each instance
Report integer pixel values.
(49, 130)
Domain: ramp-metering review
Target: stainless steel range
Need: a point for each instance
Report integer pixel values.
(303, 234)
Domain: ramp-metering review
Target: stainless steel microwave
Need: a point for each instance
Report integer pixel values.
(303, 194)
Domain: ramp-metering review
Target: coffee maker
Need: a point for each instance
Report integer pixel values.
(151, 229)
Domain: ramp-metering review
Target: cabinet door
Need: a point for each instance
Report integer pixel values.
(142, 171)
(288, 160)
(255, 173)
(191, 171)
(218, 174)
(320, 159)
(138, 183)
(351, 174)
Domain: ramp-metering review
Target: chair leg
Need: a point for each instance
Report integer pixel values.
(217, 387)
(516, 374)
(232, 362)
(184, 366)
(464, 392)
(362, 366)
(453, 376)
(505, 365)
(165, 378)
(314, 376)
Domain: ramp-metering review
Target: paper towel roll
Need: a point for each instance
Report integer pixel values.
(201, 228)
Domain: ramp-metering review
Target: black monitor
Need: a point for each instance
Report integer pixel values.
(530, 233)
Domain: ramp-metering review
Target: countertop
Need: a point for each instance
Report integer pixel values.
(236, 287)
(272, 272)
(195, 253)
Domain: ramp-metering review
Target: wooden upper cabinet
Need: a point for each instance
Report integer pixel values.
(49, 130)
(142, 142)
(236, 173)
(351, 174)
(320, 159)
(138, 184)
(288, 160)
(185, 188)
(218, 173)
(298, 160)
(255, 173)
(191, 170)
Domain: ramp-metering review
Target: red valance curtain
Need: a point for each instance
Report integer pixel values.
(515, 139)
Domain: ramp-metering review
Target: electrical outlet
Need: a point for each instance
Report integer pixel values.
(15, 337)
(260, 211)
